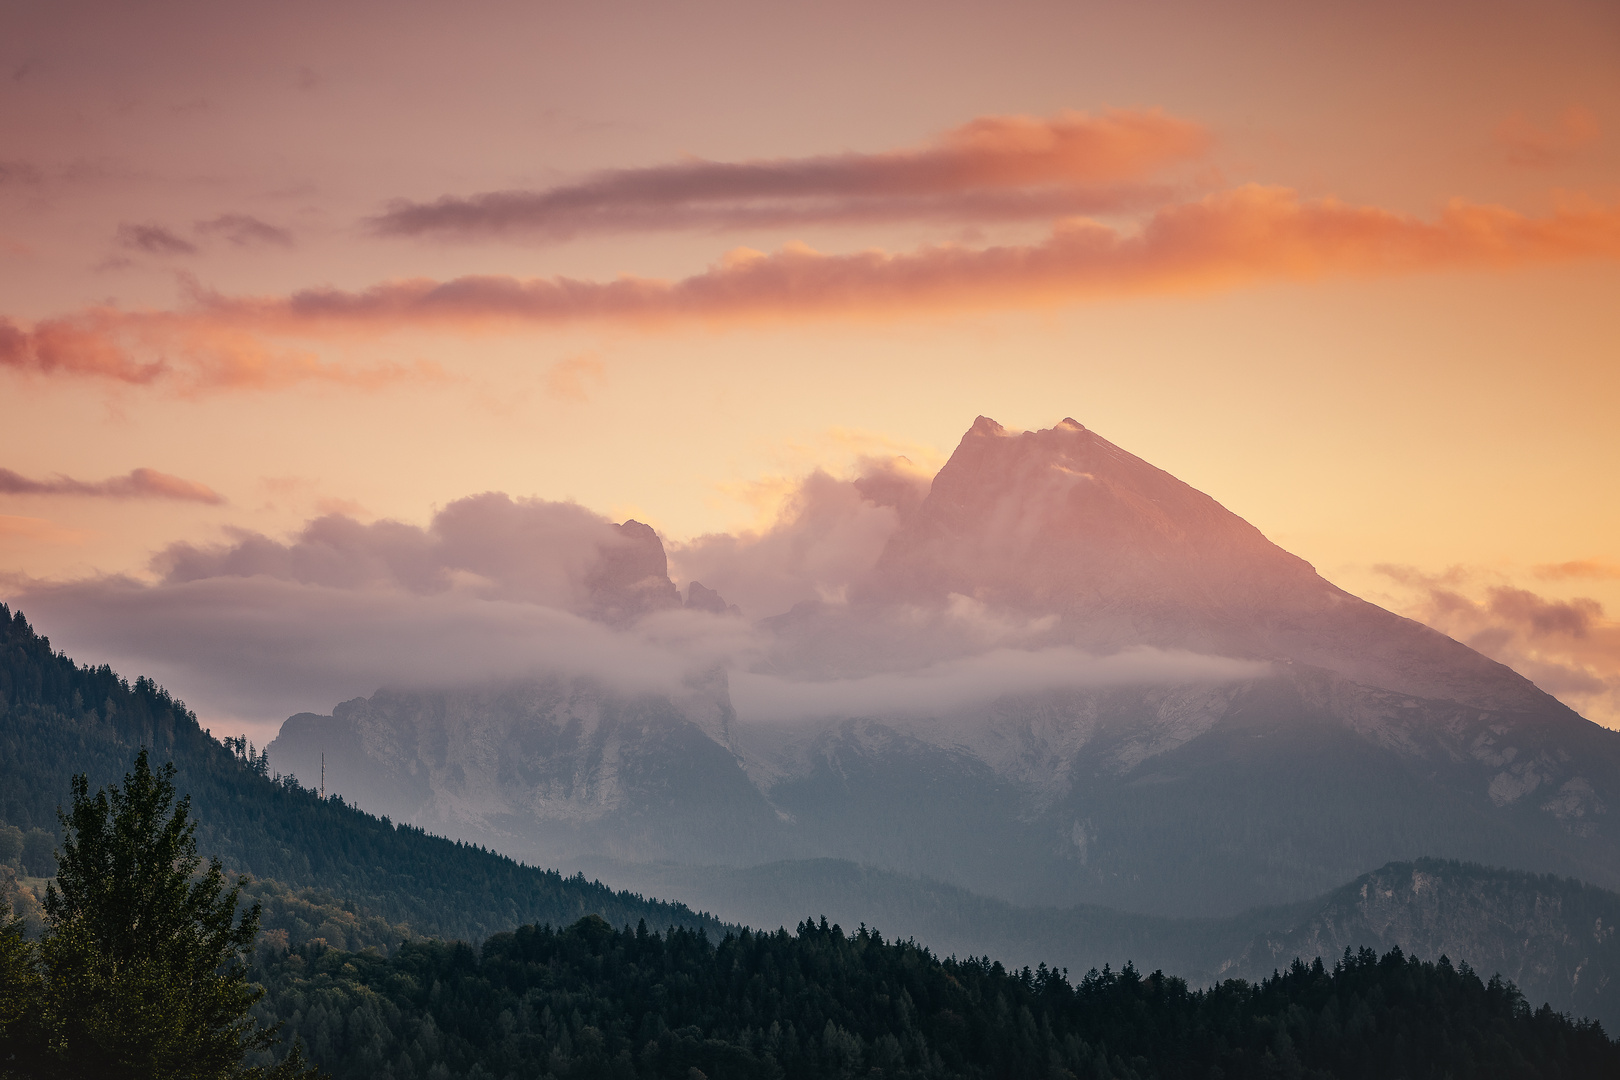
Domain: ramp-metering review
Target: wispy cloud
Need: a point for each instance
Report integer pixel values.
(1247, 236)
(38, 529)
(1526, 143)
(243, 230)
(1579, 568)
(190, 352)
(153, 240)
(19, 172)
(573, 377)
(137, 484)
(953, 685)
(995, 168)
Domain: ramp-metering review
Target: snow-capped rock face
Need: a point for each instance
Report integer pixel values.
(1345, 738)
(542, 767)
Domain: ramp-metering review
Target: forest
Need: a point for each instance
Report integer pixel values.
(594, 1001)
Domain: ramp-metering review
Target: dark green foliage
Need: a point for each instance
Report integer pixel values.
(57, 719)
(590, 1001)
(142, 971)
(38, 853)
(22, 1030)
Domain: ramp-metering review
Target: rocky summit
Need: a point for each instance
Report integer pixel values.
(1145, 703)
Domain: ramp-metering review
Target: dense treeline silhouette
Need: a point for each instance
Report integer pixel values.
(591, 1001)
(58, 718)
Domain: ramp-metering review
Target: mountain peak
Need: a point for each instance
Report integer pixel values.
(1061, 522)
(1061, 519)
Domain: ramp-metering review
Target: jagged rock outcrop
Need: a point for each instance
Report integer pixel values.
(631, 577)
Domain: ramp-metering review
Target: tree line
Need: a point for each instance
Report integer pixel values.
(593, 1001)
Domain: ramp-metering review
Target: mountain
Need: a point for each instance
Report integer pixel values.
(326, 868)
(1069, 678)
(1552, 937)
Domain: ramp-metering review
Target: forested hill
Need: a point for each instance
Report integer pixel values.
(591, 1001)
(58, 718)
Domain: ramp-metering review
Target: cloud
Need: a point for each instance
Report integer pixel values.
(995, 168)
(1568, 647)
(138, 484)
(191, 354)
(1244, 237)
(255, 628)
(1241, 237)
(33, 528)
(1525, 143)
(258, 648)
(487, 546)
(245, 231)
(153, 240)
(827, 535)
(1581, 568)
(571, 378)
(19, 172)
(954, 685)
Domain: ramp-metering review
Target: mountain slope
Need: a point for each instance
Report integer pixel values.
(58, 719)
(1151, 707)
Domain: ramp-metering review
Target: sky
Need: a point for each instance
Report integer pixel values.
(1350, 269)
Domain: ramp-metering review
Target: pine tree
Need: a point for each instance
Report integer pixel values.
(144, 958)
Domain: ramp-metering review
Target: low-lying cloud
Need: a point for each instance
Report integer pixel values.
(996, 168)
(256, 628)
(137, 484)
(954, 685)
(251, 651)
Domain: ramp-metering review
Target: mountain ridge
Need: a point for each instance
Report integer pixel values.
(1339, 736)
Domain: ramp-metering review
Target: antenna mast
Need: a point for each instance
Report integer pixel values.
(323, 774)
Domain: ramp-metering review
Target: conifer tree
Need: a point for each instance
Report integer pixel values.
(144, 959)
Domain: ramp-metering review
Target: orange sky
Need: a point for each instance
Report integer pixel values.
(1350, 270)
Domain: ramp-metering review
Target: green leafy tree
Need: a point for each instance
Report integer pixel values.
(144, 957)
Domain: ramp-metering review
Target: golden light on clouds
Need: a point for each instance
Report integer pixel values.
(1350, 272)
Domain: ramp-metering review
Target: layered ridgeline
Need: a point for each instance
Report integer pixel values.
(1554, 938)
(326, 869)
(1068, 678)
